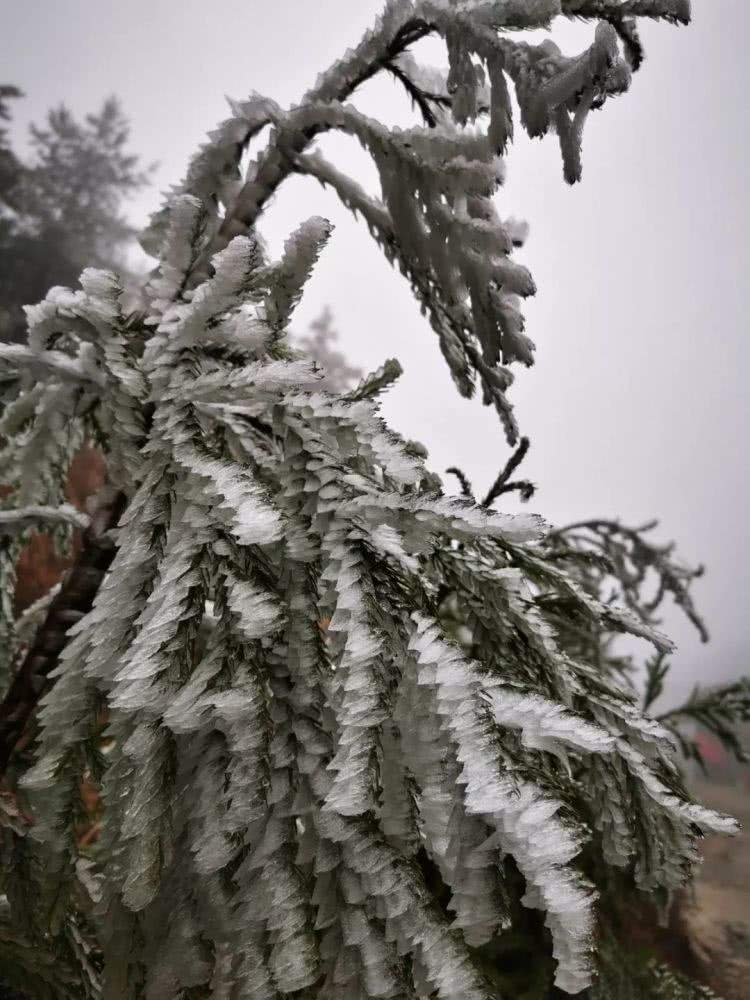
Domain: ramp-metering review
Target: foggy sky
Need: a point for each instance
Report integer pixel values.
(637, 406)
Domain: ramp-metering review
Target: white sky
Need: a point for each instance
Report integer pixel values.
(637, 406)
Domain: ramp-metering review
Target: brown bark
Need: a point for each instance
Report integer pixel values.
(74, 599)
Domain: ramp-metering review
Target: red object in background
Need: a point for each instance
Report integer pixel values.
(40, 565)
(711, 750)
(86, 476)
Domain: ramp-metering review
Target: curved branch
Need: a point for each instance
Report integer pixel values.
(18, 519)
(400, 27)
(373, 53)
(45, 363)
(598, 524)
(418, 96)
(466, 489)
(630, 557)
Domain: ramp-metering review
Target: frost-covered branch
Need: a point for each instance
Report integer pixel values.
(14, 521)
(322, 677)
(67, 607)
(436, 219)
(45, 363)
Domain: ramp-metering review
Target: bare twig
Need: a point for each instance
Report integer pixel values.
(418, 96)
(466, 489)
(502, 484)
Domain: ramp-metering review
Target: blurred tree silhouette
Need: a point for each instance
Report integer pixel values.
(320, 344)
(10, 167)
(62, 210)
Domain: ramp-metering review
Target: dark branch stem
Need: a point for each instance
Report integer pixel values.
(466, 489)
(417, 95)
(501, 484)
(599, 524)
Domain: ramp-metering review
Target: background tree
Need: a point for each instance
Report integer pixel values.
(10, 167)
(62, 209)
(319, 343)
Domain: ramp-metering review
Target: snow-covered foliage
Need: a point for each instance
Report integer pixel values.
(436, 219)
(290, 728)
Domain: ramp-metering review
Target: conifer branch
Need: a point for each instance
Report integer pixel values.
(322, 676)
(376, 382)
(674, 11)
(41, 363)
(720, 711)
(374, 53)
(418, 96)
(630, 556)
(402, 25)
(627, 31)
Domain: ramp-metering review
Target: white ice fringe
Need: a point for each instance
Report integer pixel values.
(419, 516)
(545, 725)
(15, 520)
(524, 818)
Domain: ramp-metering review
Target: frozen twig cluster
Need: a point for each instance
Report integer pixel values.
(436, 219)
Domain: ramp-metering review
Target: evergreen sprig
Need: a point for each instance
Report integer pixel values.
(720, 710)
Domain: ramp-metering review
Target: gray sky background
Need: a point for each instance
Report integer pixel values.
(638, 403)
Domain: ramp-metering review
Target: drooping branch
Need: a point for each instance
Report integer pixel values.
(402, 25)
(628, 556)
(375, 52)
(419, 98)
(627, 30)
(436, 218)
